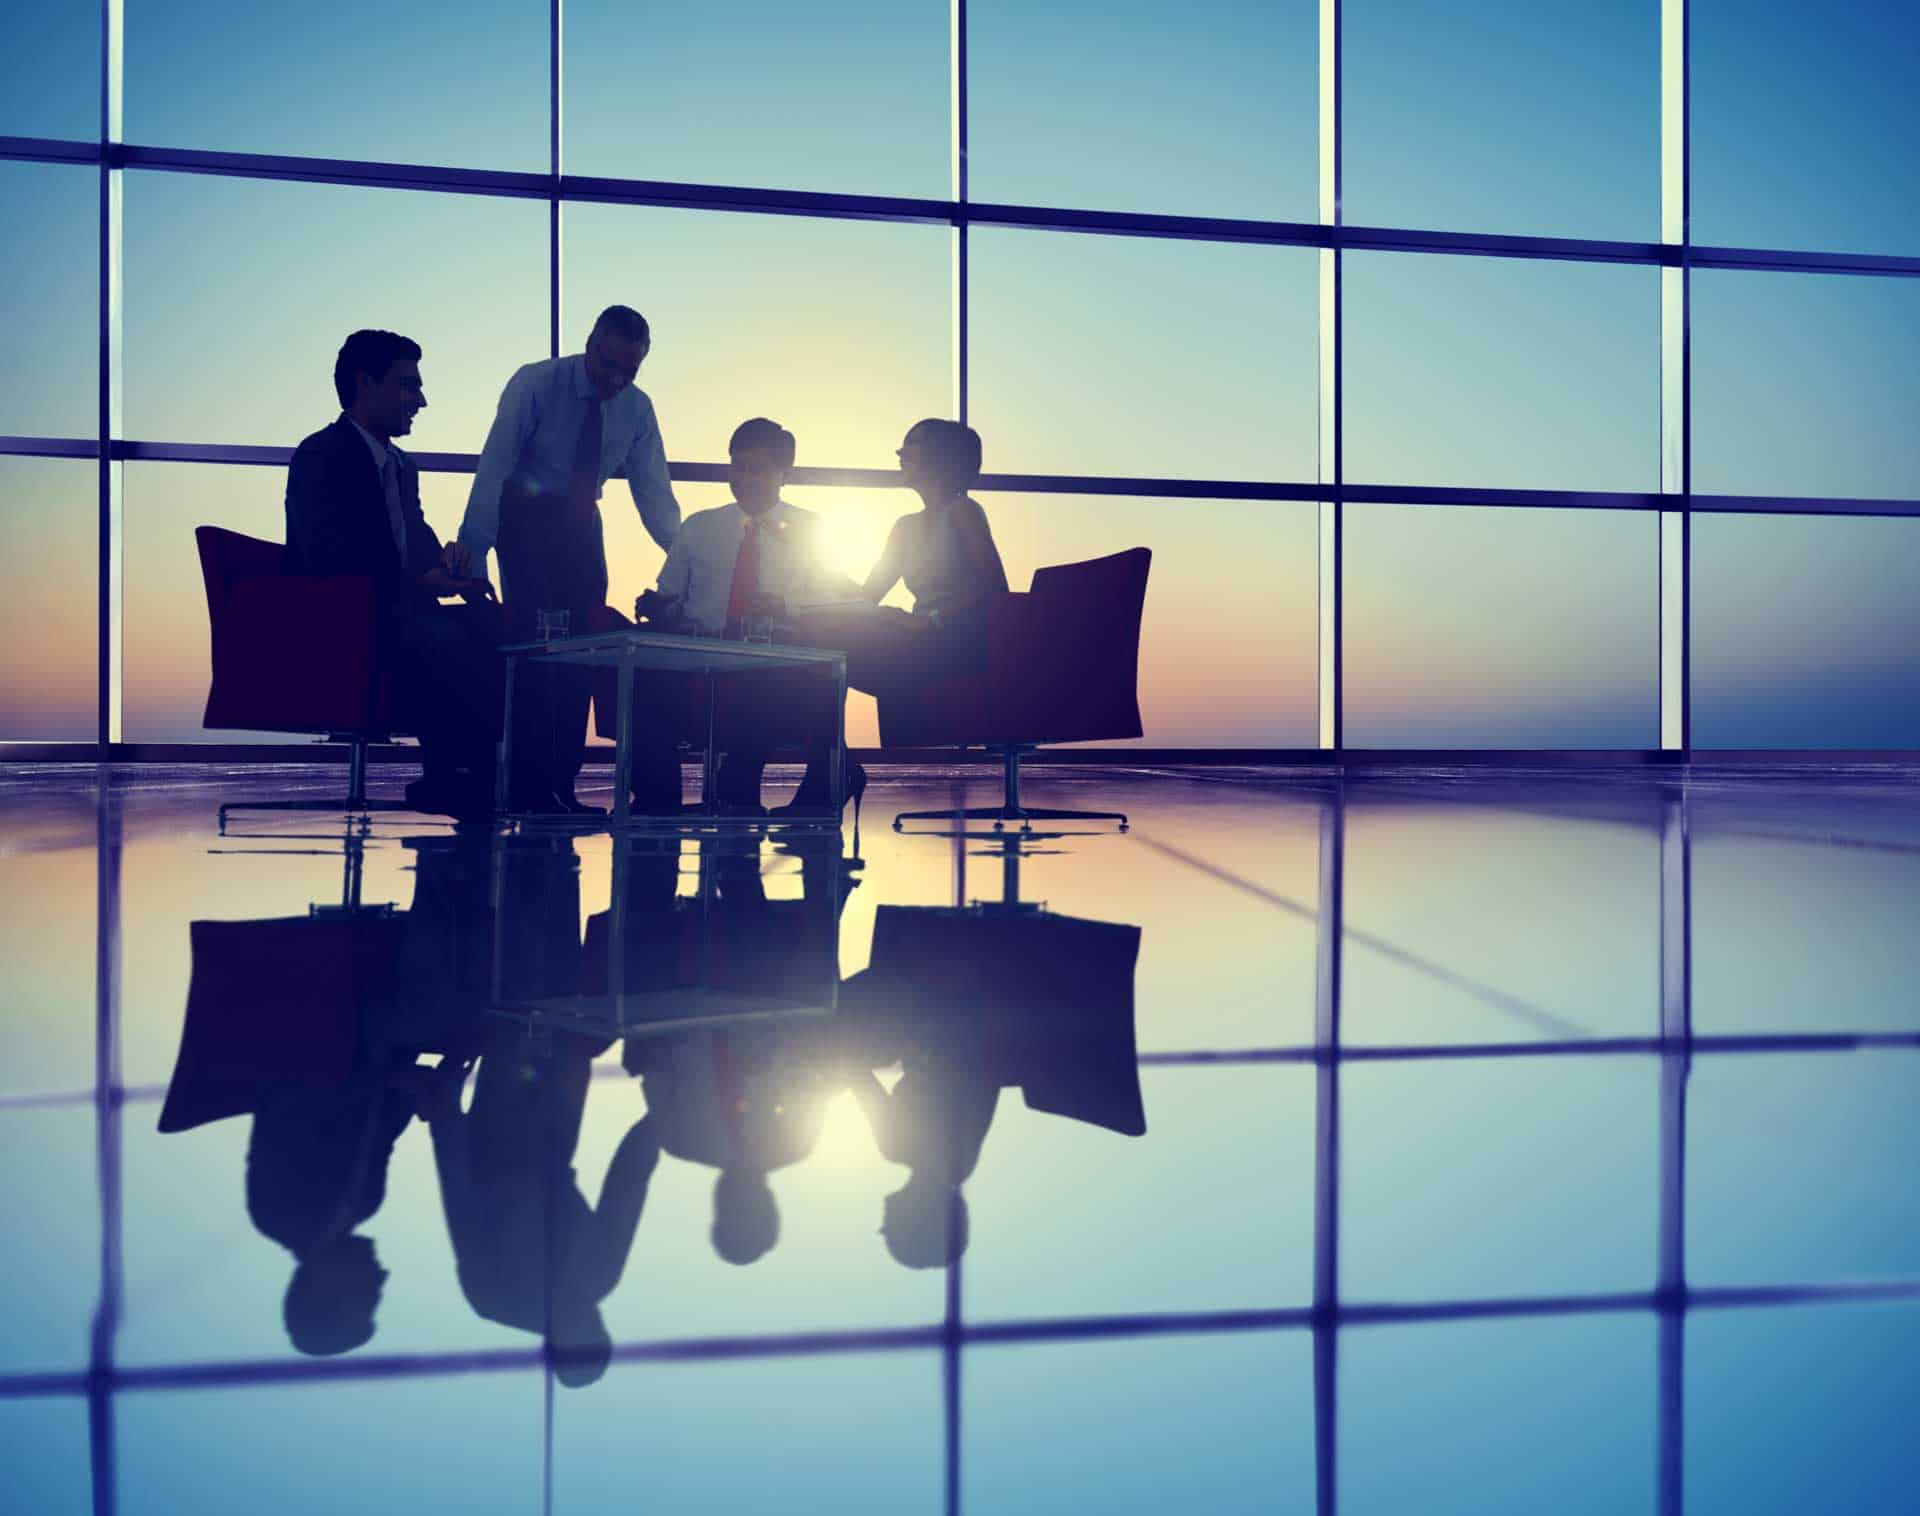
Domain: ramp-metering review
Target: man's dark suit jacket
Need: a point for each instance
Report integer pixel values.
(337, 520)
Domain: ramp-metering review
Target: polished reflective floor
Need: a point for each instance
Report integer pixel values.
(1440, 1142)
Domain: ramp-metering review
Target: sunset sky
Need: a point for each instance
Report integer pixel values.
(1089, 354)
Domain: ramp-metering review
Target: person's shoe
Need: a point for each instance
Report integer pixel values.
(811, 799)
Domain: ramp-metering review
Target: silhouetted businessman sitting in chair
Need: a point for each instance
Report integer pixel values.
(353, 507)
(742, 569)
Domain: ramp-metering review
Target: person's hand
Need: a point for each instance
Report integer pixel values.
(457, 559)
(442, 584)
(651, 605)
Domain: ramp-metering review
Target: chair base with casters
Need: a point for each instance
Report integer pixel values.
(1010, 808)
(353, 803)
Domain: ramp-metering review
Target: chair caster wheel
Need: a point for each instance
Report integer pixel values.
(896, 826)
(999, 826)
(1123, 826)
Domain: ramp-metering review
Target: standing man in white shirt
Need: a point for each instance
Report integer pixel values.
(564, 427)
(756, 556)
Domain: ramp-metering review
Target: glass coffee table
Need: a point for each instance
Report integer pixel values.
(626, 650)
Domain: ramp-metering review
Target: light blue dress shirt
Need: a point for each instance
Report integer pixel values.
(530, 449)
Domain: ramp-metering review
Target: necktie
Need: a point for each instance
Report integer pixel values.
(746, 573)
(396, 518)
(583, 488)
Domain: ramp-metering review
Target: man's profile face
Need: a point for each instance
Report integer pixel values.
(757, 471)
(390, 404)
(613, 362)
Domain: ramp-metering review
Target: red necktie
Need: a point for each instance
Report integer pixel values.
(746, 573)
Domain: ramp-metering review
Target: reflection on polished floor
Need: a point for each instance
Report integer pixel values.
(1475, 1142)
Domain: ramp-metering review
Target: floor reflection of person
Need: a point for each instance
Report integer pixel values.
(530, 1251)
(316, 1172)
(934, 1122)
(969, 1002)
(748, 1101)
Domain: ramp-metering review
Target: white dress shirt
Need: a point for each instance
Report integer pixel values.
(530, 448)
(390, 484)
(699, 569)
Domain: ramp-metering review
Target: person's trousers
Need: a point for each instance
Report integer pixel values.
(551, 559)
(446, 662)
(753, 713)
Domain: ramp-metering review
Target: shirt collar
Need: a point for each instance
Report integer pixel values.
(374, 444)
(775, 516)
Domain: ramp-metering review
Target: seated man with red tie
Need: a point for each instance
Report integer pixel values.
(756, 557)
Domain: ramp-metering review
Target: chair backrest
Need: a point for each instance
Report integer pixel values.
(1086, 616)
(226, 557)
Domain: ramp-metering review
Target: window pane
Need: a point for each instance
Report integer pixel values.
(846, 95)
(49, 877)
(1219, 1423)
(468, 1441)
(1055, 1201)
(1535, 117)
(1805, 384)
(50, 70)
(168, 650)
(1470, 923)
(1229, 643)
(1771, 952)
(1554, 1415)
(1806, 631)
(1804, 1409)
(1803, 125)
(829, 1432)
(1799, 1168)
(1141, 356)
(50, 545)
(1210, 109)
(838, 330)
(1508, 373)
(52, 1468)
(1556, 1194)
(458, 83)
(240, 292)
(49, 302)
(50, 1169)
(1482, 626)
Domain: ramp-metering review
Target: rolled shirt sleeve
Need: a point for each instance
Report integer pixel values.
(512, 428)
(646, 470)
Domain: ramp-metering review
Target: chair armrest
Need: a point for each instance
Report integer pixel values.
(292, 653)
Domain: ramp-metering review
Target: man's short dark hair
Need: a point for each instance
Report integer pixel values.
(371, 353)
(760, 432)
(955, 449)
(625, 323)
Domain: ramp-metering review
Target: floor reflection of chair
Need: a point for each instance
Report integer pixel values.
(1012, 991)
(724, 955)
(280, 1000)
